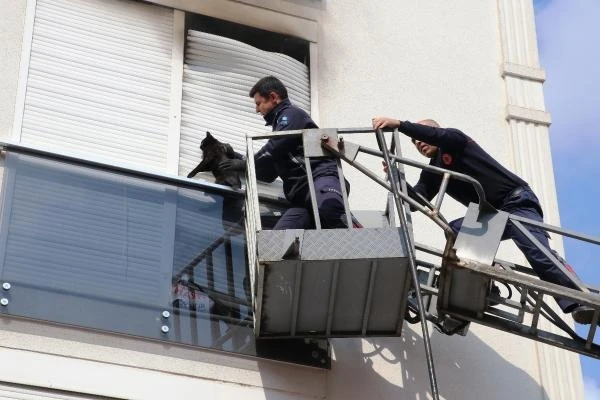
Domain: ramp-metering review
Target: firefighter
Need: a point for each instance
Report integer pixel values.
(284, 157)
(453, 150)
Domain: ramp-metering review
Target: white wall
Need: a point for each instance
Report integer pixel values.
(410, 60)
(11, 33)
(420, 60)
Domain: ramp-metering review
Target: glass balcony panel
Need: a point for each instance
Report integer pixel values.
(153, 257)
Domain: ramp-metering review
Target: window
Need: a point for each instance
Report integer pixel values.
(219, 71)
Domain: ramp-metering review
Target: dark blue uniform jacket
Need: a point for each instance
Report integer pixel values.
(458, 152)
(284, 156)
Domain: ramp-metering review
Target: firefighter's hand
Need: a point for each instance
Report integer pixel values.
(385, 122)
(232, 165)
(385, 167)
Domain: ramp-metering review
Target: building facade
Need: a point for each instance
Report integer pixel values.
(106, 102)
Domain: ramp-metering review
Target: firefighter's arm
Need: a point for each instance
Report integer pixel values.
(264, 163)
(426, 188)
(446, 137)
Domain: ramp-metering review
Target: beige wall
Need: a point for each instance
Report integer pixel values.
(11, 34)
(406, 59)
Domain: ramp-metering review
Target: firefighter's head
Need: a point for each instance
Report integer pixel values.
(426, 149)
(268, 92)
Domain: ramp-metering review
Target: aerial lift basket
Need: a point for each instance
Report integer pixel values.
(325, 282)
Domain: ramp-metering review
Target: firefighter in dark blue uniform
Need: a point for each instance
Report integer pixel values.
(453, 150)
(284, 157)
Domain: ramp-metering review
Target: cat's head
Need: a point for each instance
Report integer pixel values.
(213, 152)
(209, 142)
(212, 148)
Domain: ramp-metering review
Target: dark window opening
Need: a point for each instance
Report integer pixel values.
(262, 39)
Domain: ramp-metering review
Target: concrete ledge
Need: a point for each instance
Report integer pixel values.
(309, 9)
(528, 115)
(251, 15)
(139, 368)
(523, 71)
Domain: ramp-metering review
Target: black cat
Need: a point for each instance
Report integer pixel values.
(213, 152)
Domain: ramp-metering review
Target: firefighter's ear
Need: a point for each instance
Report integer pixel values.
(274, 97)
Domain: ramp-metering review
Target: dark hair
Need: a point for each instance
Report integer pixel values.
(267, 85)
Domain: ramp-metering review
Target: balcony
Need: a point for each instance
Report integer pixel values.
(129, 252)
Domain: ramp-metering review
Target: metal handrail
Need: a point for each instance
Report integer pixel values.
(134, 171)
(556, 229)
(431, 211)
(349, 131)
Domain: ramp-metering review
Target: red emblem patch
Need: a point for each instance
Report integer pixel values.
(570, 269)
(446, 159)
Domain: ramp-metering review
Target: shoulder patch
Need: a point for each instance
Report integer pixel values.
(447, 158)
(284, 121)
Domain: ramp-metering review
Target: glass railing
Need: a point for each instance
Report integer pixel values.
(134, 253)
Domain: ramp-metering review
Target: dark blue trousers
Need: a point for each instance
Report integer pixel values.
(329, 202)
(526, 204)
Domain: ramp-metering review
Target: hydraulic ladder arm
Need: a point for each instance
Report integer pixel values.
(462, 281)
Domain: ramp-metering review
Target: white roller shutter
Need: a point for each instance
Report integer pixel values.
(86, 232)
(218, 74)
(99, 80)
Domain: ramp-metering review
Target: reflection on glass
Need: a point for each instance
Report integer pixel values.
(210, 290)
(105, 250)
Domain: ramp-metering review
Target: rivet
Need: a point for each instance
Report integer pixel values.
(164, 329)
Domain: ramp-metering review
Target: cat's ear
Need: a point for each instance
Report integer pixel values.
(208, 135)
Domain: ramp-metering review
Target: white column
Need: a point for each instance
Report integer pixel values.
(528, 122)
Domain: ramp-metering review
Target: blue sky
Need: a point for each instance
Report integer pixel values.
(569, 45)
